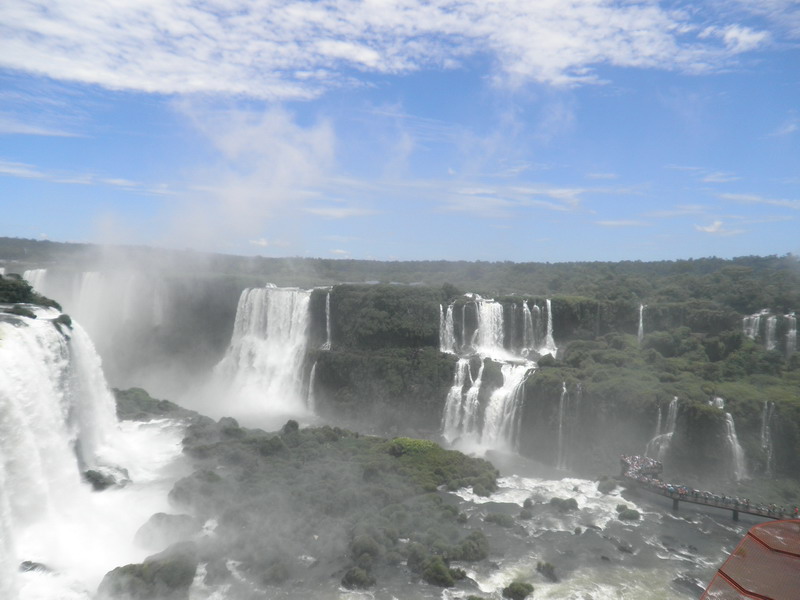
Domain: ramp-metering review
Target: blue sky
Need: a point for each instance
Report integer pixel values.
(524, 130)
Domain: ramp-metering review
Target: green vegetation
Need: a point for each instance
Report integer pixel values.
(15, 290)
(135, 404)
(518, 590)
(167, 575)
(359, 505)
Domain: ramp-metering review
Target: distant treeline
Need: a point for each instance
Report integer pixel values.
(745, 284)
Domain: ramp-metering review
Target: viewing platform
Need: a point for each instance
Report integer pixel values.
(643, 472)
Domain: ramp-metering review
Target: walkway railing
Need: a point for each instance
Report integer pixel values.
(644, 473)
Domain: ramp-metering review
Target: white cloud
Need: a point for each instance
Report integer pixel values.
(267, 166)
(737, 38)
(717, 228)
(602, 175)
(340, 252)
(280, 49)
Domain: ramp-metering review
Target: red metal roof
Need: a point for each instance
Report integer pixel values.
(764, 566)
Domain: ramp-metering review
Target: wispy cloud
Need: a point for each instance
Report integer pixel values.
(338, 212)
(13, 126)
(717, 228)
(758, 199)
(681, 210)
(622, 223)
(719, 177)
(787, 128)
(602, 175)
(27, 171)
(299, 48)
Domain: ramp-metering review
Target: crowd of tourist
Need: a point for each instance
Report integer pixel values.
(645, 471)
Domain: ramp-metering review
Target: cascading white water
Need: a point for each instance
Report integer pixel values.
(791, 334)
(640, 333)
(57, 418)
(528, 335)
(717, 402)
(263, 367)
(469, 421)
(766, 435)
(549, 342)
(500, 418)
(658, 446)
(311, 400)
(454, 404)
(491, 337)
(751, 324)
(495, 424)
(447, 336)
(37, 278)
(770, 342)
(327, 344)
(737, 453)
(561, 461)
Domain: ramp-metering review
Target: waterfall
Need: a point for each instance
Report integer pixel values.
(311, 400)
(717, 402)
(490, 339)
(454, 404)
(640, 333)
(469, 423)
(447, 336)
(658, 446)
(500, 419)
(766, 434)
(57, 418)
(549, 342)
(37, 278)
(561, 462)
(658, 423)
(528, 336)
(263, 367)
(770, 342)
(791, 334)
(496, 423)
(737, 454)
(751, 324)
(327, 344)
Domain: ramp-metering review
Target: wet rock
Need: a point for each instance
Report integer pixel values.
(103, 478)
(166, 576)
(29, 565)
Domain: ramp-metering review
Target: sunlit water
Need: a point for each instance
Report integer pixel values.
(91, 533)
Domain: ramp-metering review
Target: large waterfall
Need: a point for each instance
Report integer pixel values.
(468, 415)
(57, 420)
(658, 446)
(263, 369)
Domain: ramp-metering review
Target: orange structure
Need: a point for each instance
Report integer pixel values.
(765, 565)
